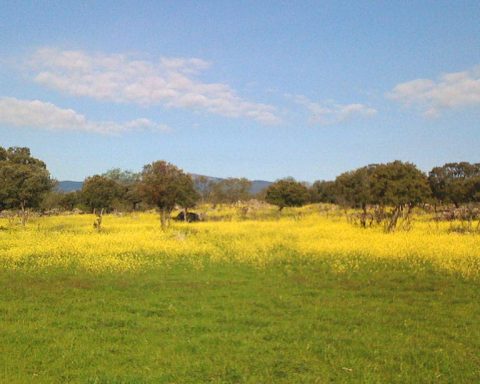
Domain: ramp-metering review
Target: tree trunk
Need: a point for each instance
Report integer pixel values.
(380, 215)
(470, 217)
(185, 212)
(24, 213)
(97, 224)
(393, 221)
(407, 222)
(163, 219)
(363, 217)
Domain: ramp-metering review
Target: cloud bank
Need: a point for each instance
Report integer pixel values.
(332, 113)
(171, 82)
(42, 115)
(432, 97)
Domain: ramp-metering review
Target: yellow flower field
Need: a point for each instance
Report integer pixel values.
(133, 242)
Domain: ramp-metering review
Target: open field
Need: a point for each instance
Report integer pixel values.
(305, 297)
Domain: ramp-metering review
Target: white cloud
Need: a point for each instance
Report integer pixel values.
(42, 115)
(450, 91)
(121, 78)
(329, 113)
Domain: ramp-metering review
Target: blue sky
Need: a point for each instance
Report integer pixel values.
(257, 89)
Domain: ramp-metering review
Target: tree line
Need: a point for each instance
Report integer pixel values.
(25, 184)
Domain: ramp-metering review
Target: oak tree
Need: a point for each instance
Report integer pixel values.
(24, 180)
(164, 185)
(287, 193)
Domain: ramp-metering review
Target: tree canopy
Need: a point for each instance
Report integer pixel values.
(399, 183)
(24, 180)
(323, 191)
(129, 196)
(455, 183)
(230, 190)
(287, 193)
(100, 192)
(164, 185)
(354, 188)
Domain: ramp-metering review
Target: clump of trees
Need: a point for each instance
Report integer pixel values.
(223, 191)
(115, 190)
(55, 201)
(455, 183)
(398, 185)
(230, 191)
(24, 180)
(382, 193)
(401, 186)
(128, 198)
(354, 189)
(323, 191)
(98, 194)
(160, 184)
(391, 191)
(25, 184)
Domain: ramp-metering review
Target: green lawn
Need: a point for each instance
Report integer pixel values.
(231, 323)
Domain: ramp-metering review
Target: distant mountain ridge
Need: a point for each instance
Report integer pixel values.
(72, 186)
(259, 186)
(69, 186)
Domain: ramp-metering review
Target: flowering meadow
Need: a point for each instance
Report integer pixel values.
(134, 242)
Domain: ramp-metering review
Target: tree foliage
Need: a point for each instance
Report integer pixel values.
(456, 183)
(230, 190)
(204, 186)
(122, 177)
(396, 184)
(354, 188)
(129, 196)
(287, 193)
(70, 200)
(401, 185)
(100, 192)
(323, 191)
(24, 180)
(164, 185)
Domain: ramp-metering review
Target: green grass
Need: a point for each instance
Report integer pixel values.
(229, 323)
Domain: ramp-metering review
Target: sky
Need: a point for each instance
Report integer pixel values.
(256, 89)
